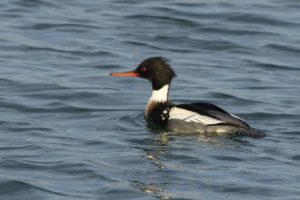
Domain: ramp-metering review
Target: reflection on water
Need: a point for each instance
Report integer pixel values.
(153, 188)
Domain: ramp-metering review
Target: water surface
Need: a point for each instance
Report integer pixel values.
(69, 131)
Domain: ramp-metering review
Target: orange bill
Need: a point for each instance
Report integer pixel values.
(131, 73)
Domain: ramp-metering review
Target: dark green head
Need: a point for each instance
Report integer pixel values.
(155, 69)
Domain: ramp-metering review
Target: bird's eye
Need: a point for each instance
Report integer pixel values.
(143, 69)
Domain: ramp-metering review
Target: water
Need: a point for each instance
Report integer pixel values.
(69, 131)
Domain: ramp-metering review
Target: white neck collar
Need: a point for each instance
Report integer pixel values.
(160, 95)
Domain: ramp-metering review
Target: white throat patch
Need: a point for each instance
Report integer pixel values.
(160, 95)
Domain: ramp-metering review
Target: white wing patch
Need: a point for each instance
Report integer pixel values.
(190, 116)
(237, 117)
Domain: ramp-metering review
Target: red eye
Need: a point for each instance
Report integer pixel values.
(143, 69)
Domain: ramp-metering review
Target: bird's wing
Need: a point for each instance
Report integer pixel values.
(190, 116)
(206, 113)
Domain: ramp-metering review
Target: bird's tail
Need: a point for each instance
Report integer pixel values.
(251, 132)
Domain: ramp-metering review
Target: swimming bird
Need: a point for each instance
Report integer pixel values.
(199, 117)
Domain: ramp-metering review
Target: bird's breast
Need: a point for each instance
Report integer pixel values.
(158, 112)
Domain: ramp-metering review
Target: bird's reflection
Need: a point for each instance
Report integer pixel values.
(155, 189)
(164, 143)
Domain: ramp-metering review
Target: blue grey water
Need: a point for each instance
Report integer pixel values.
(69, 131)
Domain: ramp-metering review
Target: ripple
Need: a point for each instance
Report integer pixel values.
(145, 44)
(196, 44)
(21, 147)
(261, 190)
(228, 158)
(259, 19)
(14, 186)
(67, 51)
(239, 100)
(296, 157)
(24, 127)
(282, 47)
(63, 94)
(238, 32)
(270, 115)
(271, 66)
(7, 82)
(163, 19)
(35, 3)
(130, 121)
(43, 26)
(52, 108)
(30, 129)
(29, 164)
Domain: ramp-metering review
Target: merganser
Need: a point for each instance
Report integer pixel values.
(200, 117)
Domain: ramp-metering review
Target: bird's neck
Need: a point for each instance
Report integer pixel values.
(158, 96)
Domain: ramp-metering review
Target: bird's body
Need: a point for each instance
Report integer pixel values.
(203, 118)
